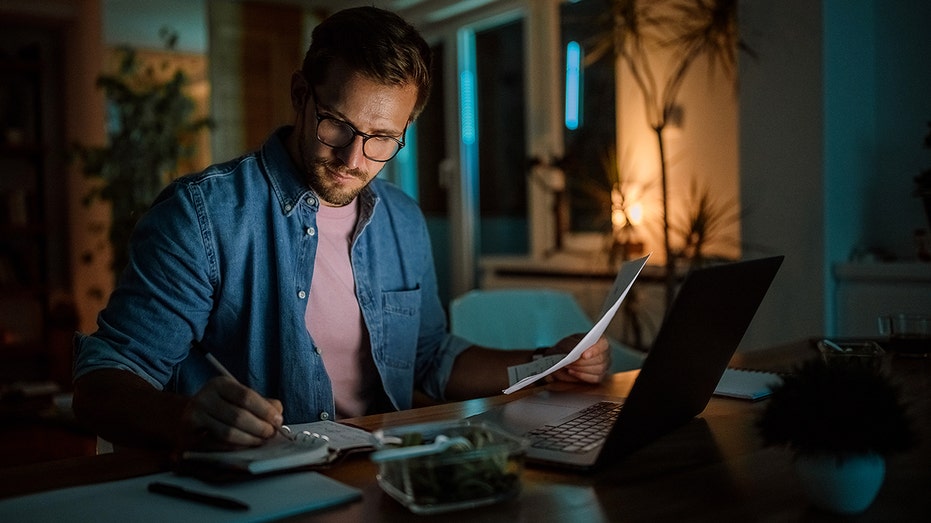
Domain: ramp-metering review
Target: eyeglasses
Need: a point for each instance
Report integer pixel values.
(337, 134)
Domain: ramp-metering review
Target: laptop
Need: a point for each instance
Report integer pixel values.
(698, 337)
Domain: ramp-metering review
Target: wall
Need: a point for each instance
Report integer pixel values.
(85, 122)
(832, 118)
(781, 159)
(902, 76)
(137, 23)
(849, 130)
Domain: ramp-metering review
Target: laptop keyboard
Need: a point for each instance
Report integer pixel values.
(579, 434)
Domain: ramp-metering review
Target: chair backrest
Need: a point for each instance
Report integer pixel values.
(516, 318)
(526, 319)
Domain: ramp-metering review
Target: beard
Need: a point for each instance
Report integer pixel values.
(334, 192)
(318, 175)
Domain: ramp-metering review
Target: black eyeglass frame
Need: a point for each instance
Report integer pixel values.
(355, 132)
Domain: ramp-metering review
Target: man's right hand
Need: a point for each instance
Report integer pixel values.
(127, 411)
(227, 414)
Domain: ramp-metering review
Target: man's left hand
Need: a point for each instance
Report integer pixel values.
(591, 367)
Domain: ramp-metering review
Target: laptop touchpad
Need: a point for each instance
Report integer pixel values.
(534, 411)
(523, 416)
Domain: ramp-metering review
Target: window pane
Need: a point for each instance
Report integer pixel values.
(588, 145)
(502, 142)
(431, 150)
(431, 129)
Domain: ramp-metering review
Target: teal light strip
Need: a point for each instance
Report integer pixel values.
(573, 86)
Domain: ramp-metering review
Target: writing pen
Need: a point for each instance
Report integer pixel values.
(222, 370)
(175, 491)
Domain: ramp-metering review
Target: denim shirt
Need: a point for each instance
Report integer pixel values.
(224, 259)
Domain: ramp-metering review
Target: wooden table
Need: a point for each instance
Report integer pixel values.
(711, 469)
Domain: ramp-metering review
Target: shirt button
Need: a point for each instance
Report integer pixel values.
(317, 350)
(324, 415)
(301, 294)
(310, 231)
(287, 207)
(311, 200)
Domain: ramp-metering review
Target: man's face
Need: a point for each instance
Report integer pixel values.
(337, 174)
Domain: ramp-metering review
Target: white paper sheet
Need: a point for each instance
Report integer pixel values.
(622, 283)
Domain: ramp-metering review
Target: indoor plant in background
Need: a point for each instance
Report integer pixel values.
(841, 421)
(631, 31)
(151, 126)
(703, 225)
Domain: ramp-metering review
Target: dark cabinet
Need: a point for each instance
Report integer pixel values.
(34, 275)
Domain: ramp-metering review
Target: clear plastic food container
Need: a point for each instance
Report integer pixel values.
(439, 467)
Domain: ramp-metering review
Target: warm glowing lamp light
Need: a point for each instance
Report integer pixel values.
(635, 214)
(618, 220)
(623, 213)
(625, 218)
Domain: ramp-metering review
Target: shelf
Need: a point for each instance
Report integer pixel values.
(890, 271)
(867, 290)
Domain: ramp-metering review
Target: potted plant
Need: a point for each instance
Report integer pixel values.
(631, 32)
(841, 421)
(151, 127)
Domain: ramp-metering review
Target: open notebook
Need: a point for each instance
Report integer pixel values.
(322, 442)
(746, 384)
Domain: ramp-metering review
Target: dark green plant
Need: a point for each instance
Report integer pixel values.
(150, 128)
(703, 223)
(837, 410)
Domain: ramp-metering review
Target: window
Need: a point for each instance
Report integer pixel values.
(502, 152)
(592, 136)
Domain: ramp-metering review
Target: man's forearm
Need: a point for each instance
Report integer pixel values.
(124, 409)
(480, 372)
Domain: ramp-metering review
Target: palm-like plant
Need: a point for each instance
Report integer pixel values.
(705, 217)
(632, 30)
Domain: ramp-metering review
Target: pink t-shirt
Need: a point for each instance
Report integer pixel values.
(333, 316)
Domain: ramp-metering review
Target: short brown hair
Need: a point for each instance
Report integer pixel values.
(377, 43)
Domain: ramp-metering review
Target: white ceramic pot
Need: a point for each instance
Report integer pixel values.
(845, 485)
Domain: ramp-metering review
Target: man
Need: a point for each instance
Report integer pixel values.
(307, 278)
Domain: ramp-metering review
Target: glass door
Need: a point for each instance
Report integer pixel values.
(470, 157)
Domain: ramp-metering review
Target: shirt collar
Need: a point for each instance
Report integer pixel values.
(281, 172)
(286, 181)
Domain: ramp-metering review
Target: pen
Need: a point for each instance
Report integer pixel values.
(210, 499)
(217, 365)
(284, 431)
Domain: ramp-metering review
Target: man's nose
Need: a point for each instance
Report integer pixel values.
(352, 154)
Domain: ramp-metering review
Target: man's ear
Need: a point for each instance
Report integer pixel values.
(299, 89)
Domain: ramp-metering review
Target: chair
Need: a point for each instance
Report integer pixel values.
(527, 318)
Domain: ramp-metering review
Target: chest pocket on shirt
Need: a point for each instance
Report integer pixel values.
(402, 325)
